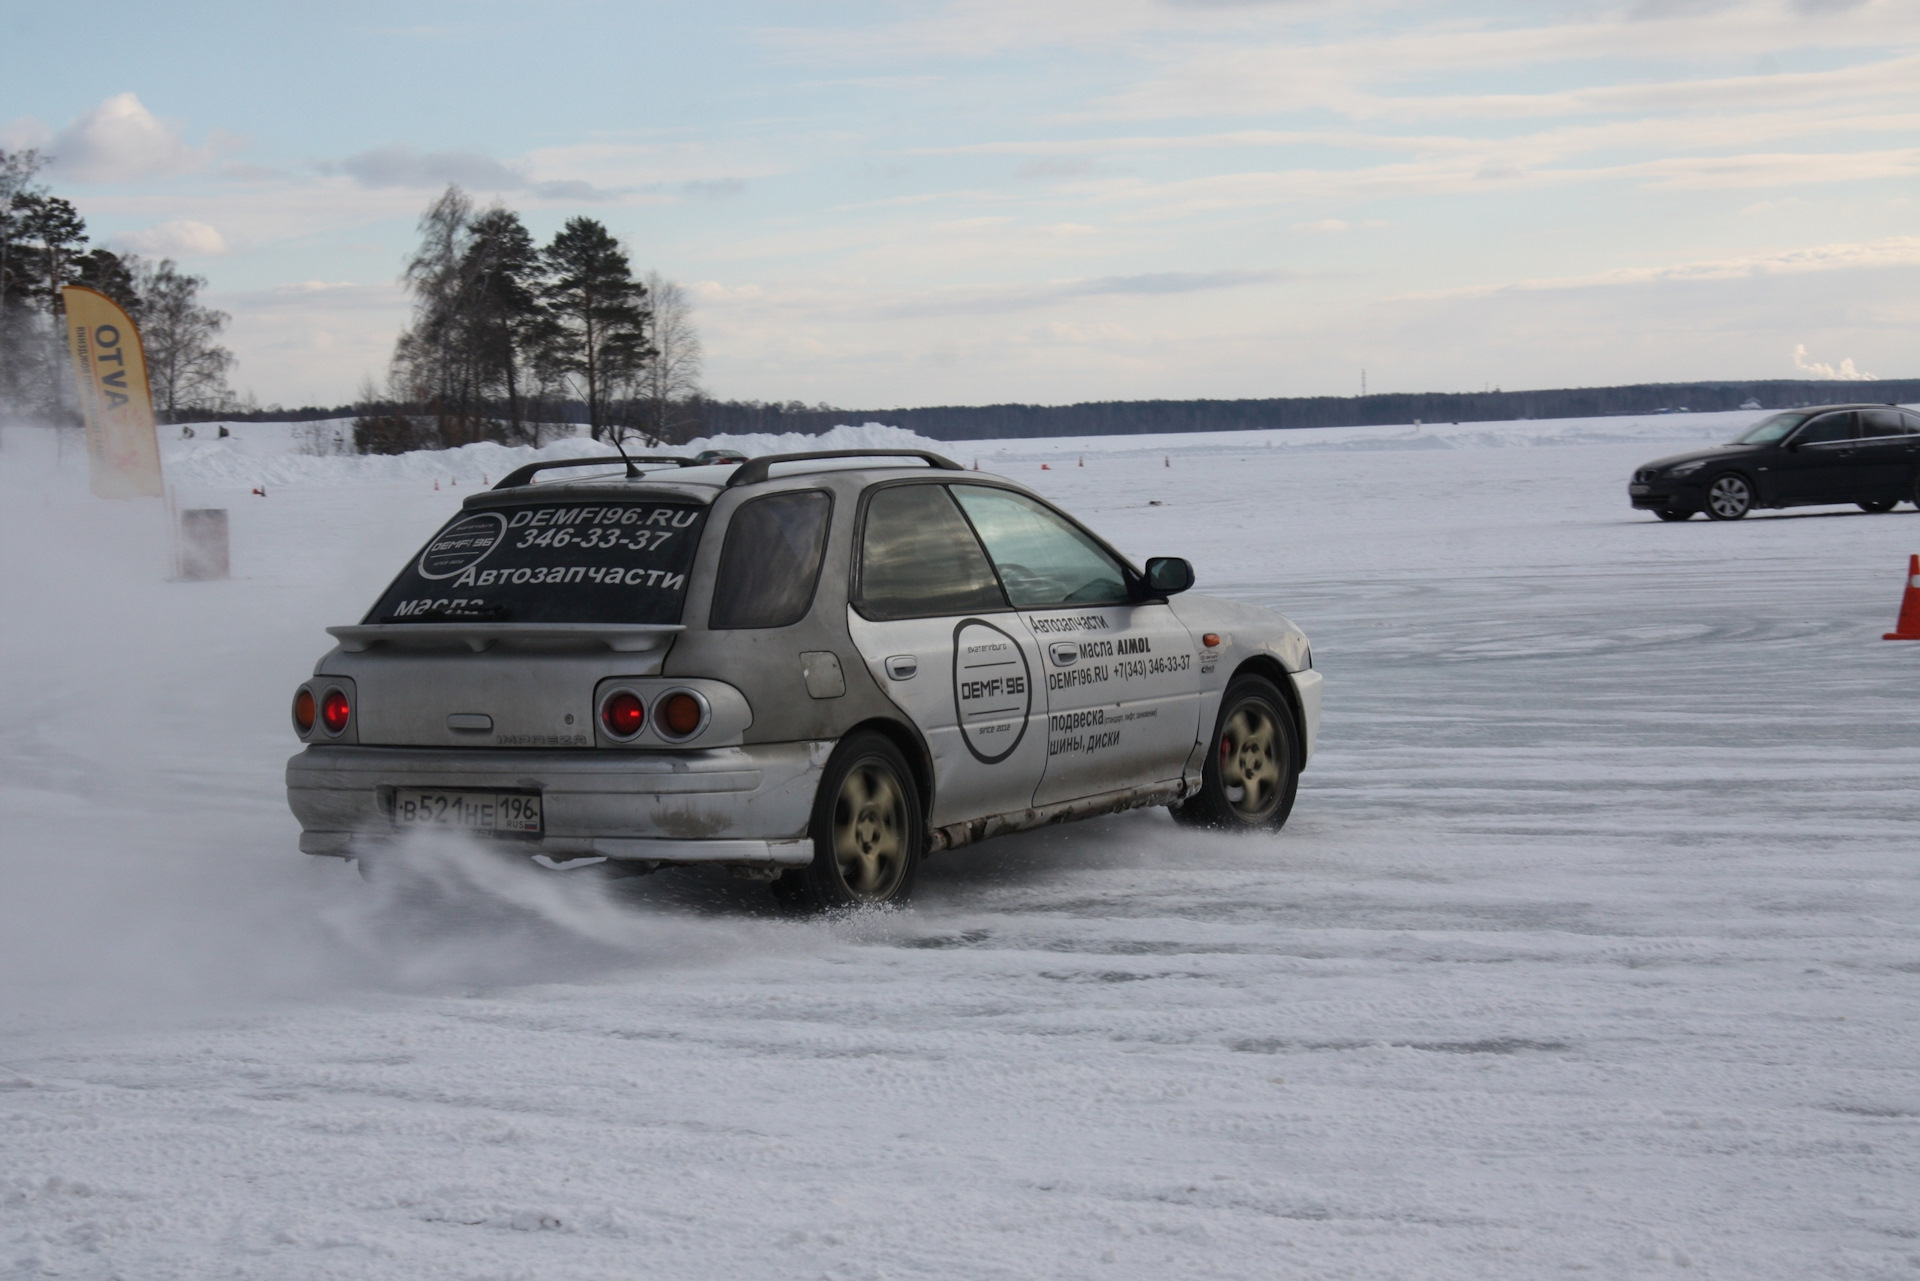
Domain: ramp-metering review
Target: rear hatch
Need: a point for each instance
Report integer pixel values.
(496, 633)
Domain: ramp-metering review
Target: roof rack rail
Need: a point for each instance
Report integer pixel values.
(755, 470)
(524, 475)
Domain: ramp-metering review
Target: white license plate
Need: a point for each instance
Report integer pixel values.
(1639, 489)
(470, 811)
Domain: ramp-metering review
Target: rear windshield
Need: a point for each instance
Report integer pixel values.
(578, 562)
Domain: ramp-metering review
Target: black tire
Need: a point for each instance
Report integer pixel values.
(1729, 496)
(1252, 768)
(1879, 505)
(1674, 513)
(869, 833)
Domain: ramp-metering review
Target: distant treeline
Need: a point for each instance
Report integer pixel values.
(1137, 417)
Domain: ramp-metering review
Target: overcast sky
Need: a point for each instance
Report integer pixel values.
(909, 203)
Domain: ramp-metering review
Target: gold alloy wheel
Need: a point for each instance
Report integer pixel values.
(870, 831)
(1249, 765)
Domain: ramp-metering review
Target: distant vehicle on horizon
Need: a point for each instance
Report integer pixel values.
(1868, 455)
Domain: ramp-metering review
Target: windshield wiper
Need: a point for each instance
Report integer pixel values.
(484, 614)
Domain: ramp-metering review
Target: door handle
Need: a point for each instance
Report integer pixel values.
(903, 667)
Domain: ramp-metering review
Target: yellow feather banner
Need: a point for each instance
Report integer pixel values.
(111, 368)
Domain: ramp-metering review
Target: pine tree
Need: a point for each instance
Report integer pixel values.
(500, 270)
(113, 275)
(56, 231)
(599, 317)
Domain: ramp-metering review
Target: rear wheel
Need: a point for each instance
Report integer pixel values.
(1729, 497)
(1673, 513)
(868, 832)
(1252, 770)
(1879, 505)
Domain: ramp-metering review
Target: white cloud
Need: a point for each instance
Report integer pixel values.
(1890, 251)
(408, 167)
(182, 238)
(1844, 372)
(121, 141)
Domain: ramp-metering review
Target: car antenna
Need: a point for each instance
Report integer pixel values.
(633, 473)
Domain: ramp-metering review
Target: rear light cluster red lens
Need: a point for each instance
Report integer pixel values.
(623, 713)
(303, 710)
(334, 711)
(678, 714)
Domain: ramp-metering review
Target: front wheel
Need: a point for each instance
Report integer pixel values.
(868, 831)
(1729, 497)
(1672, 513)
(1252, 769)
(1879, 505)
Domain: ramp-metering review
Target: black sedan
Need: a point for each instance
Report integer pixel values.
(1863, 454)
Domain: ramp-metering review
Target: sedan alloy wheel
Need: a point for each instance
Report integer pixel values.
(1729, 497)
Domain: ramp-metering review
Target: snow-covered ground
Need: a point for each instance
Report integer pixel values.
(1593, 945)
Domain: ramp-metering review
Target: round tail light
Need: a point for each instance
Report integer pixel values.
(303, 710)
(623, 713)
(680, 715)
(334, 711)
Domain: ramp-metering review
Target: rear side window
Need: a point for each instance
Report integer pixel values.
(1887, 422)
(770, 562)
(579, 562)
(918, 558)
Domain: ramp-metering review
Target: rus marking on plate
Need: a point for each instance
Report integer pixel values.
(992, 690)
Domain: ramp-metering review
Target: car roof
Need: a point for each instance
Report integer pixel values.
(703, 484)
(1852, 404)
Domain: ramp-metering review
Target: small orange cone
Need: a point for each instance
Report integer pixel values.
(1045, 467)
(1908, 628)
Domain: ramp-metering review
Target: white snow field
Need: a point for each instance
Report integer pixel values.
(1593, 945)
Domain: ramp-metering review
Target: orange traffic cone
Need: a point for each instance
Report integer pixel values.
(1908, 628)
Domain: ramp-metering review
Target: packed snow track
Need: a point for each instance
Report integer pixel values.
(1593, 945)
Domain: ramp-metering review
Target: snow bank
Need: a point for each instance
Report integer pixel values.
(271, 454)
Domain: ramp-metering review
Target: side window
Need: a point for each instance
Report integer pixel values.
(918, 558)
(770, 563)
(1043, 558)
(1826, 428)
(1885, 422)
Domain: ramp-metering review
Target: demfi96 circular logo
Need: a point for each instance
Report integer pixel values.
(992, 690)
(462, 545)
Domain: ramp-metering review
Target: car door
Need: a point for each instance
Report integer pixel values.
(1889, 451)
(1122, 682)
(930, 621)
(1821, 463)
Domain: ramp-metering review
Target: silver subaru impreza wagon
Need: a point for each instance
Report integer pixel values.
(814, 668)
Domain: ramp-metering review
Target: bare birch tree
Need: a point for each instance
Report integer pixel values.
(670, 380)
(186, 366)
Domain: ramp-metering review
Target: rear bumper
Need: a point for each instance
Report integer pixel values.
(744, 805)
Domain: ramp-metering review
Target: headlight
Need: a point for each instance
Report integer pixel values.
(1687, 469)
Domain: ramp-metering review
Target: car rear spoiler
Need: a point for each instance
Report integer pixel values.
(624, 638)
(524, 475)
(754, 471)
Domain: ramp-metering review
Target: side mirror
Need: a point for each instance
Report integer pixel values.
(1167, 575)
